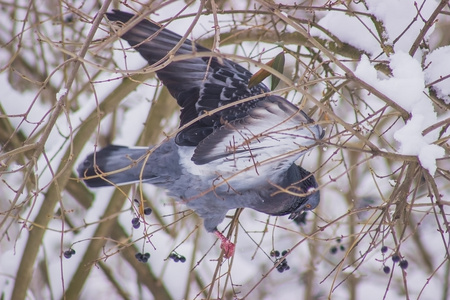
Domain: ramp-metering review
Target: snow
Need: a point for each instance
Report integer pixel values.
(357, 32)
(401, 20)
(406, 87)
(437, 67)
(61, 93)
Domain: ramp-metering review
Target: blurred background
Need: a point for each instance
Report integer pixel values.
(375, 74)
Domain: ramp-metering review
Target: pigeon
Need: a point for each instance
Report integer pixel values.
(237, 143)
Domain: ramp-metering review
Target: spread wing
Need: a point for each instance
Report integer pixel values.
(274, 132)
(199, 84)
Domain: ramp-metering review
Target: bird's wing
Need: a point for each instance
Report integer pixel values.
(199, 84)
(270, 138)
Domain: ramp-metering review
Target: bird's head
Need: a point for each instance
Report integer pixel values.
(298, 193)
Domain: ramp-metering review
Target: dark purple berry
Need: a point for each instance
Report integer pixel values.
(287, 268)
(135, 221)
(272, 253)
(333, 250)
(182, 259)
(386, 269)
(147, 255)
(342, 247)
(67, 254)
(147, 211)
(176, 259)
(284, 252)
(137, 225)
(281, 270)
(395, 258)
(277, 253)
(72, 251)
(144, 259)
(138, 256)
(403, 264)
(384, 249)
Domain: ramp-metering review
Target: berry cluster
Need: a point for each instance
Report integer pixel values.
(334, 249)
(68, 253)
(142, 257)
(283, 266)
(136, 222)
(402, 263)
(177, 257)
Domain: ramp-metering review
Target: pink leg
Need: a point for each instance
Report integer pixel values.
(226, 245)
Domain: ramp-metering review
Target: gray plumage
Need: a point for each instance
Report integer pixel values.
(242, 156)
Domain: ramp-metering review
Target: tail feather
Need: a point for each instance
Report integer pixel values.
(102, 168)
(118, 165)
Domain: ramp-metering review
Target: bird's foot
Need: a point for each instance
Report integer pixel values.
(226, 245)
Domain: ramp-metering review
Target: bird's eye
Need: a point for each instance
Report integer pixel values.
(308, 206)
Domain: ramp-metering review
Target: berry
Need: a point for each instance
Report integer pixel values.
(386, 269)
(403, 264)
(333, 250)
(177, 257)
(338, 240)
(72, 251)
(284, 252)
(135, 221)
(384, 249)
(282, 266)
(68, 254)
(137, 225)
(395, 258)
(274, 253)
(342, 248)
(147, 211)
(142, 257)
